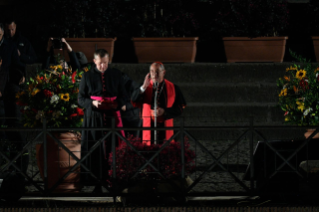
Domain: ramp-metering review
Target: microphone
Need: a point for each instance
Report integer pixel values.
(155, 85)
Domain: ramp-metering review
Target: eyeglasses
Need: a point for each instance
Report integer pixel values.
(156, 71)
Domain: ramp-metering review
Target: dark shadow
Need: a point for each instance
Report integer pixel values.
(302, 45)
(269, 177)
(124, 51)
(299, 39)
(210, 51)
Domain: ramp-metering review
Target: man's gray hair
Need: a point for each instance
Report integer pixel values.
(160, 64)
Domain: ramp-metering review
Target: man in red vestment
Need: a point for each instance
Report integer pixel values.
(170, 103)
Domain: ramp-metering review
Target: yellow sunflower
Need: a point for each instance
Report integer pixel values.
(65, 97)
(301, 74)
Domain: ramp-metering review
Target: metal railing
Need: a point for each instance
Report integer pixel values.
(249, 133)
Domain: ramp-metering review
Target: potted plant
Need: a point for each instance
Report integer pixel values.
(298, 95)
(168, 162)
(52, 96)
(166, 31)
(251, 29)
(86, 25)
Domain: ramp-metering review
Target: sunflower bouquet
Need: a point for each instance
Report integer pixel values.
(52, 95)
(299, 94)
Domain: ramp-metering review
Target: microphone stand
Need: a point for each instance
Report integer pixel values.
(155, 115)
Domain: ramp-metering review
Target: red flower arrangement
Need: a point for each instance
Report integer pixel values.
(168, 162)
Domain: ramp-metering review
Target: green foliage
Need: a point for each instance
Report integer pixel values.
(250, 18)
(163, 18)
(85, 18)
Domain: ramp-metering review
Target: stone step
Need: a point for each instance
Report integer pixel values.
(213, 114)
(211, 73)
(230, 92)
(208, 136)
(220, 93)
(201, 114)
(203, 72)
(233, 114)
(216, 85)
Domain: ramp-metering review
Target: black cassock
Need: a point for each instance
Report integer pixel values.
(94, 83)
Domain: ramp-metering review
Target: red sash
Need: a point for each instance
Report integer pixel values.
(115, 113)
(147, 112)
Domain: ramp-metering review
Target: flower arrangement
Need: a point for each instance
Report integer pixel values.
(168, 161)
(299, 94)
(52, 95)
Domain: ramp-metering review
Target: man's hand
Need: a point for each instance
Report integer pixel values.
(96, 103)
(66, 44)
(104, 105)
(19, 53)
(22, 80)
(123, 108)
(49, 44)
(147, 81)
(159, 111)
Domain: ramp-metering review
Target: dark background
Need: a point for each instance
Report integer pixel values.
(35, 19)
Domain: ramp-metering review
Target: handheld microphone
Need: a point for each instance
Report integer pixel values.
(155, 85)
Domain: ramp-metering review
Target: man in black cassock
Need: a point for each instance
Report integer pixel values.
(170, 103)
(102, 95)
